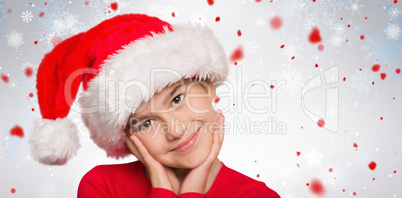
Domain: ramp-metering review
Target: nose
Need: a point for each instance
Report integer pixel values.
(176, 129)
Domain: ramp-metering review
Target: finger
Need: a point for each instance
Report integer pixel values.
(134, 150)
(222, 129)
(143, 151)
(215, 148)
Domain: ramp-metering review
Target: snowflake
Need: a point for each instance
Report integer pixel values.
(163, 12)
(26, 65)
(339, 28)
(15, 39)
(354, 7)
(101, 14)
(381, 48)
(394, 13)
(71, 21)
(322, 14)
(47, 190)
(362, 81)
(13, 85)
(2, 13)
(293, 47)
(336, 40)
(326, 176)
(393, 31)
(293, 78)
(49, 38)
(59, 25)
(314, 158)
(334, 180)
(285, 174)
(58, 21)
(27, 16)
(198, 18)
(259, 22)
(250, 47)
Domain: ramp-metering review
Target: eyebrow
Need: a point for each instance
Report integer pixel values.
(164, 102)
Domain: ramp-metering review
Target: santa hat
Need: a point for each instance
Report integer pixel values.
(121, 62)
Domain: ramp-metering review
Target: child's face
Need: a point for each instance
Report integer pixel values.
(169, 124)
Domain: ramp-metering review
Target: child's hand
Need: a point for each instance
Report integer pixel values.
(196, 179)
(161, 176)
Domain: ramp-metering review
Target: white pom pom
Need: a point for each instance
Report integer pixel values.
(53, 142)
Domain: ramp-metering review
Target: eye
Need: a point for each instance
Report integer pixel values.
(146, 124)
(178, 99)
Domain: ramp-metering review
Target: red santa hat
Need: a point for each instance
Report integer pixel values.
(121, 62)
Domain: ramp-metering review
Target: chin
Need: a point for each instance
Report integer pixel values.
(196, 160)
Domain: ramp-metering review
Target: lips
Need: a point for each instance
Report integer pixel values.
(191, 139)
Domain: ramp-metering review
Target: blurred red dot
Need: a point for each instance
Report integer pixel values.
(321, 123)
(114, 6)
(276, 22)
(320, 47)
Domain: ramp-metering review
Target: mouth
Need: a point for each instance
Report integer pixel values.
(188, 143)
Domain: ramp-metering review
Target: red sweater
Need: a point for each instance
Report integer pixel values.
(129, 180)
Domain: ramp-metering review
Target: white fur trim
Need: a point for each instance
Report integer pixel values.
(187, 50)
(53, 142)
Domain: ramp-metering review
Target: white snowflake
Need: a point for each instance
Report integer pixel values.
(27, 16)
(327, 176)
(199, 18)
(354, 7)
(26, 65)
(293, 47)
(285, 174)
(250, 47)
(394, 13)
(13, 85)
(336, 40)
(363, 80)
(293, 78)
(162, 11)
(59, 25)
(393, 31)
(339, 28)
(71, 21)
(259, 22)
(49, 38)
(101, 14)
(319, 15)
(15, 39)
(47, 190)
(314, 158)
(336, 179)
(2, 13)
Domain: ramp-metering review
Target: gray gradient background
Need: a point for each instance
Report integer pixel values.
(268, 157)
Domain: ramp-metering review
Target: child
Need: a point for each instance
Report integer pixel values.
(136, 69)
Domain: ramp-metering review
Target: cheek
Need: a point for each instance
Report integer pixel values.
(154, 145)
